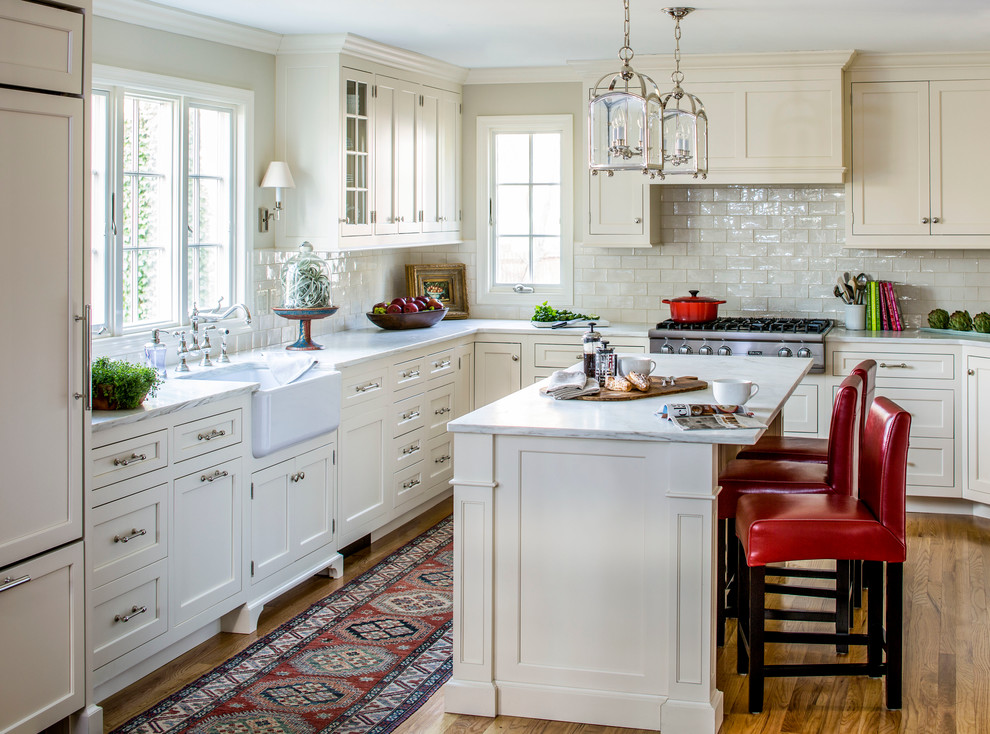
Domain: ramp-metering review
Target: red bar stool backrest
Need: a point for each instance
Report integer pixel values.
(867, 370)
(843, 436)
(883, 466)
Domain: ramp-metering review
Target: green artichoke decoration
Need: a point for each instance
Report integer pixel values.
(981, 322)
(961, 321)
(938, 319)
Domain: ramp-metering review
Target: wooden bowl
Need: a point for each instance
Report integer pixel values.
(416, 320)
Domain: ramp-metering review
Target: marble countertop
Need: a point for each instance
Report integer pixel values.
(528, 413)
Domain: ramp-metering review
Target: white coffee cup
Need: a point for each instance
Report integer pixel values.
(733, 392)
(633, 363)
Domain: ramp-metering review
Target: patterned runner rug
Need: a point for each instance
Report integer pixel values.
(360, 661)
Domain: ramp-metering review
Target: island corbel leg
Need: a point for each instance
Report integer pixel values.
(471, 688)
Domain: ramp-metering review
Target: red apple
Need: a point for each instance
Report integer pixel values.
(398, 301)
(410, 307)
(380, 304)
(394, 308)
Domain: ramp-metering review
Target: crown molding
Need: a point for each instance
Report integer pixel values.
(921, 60)
(160, 17)
(522, 75)
(368, 50)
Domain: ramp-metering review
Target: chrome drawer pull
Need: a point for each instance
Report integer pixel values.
(441, 411)
(213, 477)
(135, 533)
(409, 485)
(369, 386)
(441, 364)
(410, 373)
(132, 459)
(410, 450)
(211, 435)
(902, 366)
(298, 476)
(128, 617)
(410, 415)
(441, 459)
(8, 583)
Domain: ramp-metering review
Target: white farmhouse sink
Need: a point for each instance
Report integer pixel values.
(283, 415)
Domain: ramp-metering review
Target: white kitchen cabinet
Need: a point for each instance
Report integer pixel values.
(464, 380)
(205, 560)
(378, 145)
(623, 211)
(801, 411)
(291, 511)
(42, 47)
(976, 398)
(919, 164)
(43, 660)
(497, 371)
(363, 470)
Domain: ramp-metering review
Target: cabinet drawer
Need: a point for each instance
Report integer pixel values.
(41, 47)
(931, 464)
(560, 356)
(801, 411)
(205, 435)
(440, 461)
(128, 534)
(408, 485)
(128, 612)
(42, 663)
(409, 448)
(409, 373)
(363, 383)
(125, 459)
(441, 363)
(932, 411)
(897, 365)
(408, 415)
(439, 408)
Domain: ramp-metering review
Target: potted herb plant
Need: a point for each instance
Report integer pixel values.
(120, 385)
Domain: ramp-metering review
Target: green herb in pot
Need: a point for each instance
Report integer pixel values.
(120, 385)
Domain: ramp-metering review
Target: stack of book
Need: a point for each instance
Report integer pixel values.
(882, 311)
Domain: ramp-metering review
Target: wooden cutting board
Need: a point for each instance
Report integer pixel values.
(681, 384)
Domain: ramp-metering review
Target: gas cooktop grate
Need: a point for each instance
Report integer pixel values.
(768, 324)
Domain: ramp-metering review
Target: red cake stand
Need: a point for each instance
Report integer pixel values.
(305, 316)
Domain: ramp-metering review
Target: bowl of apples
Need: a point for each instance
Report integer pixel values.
(417, 312)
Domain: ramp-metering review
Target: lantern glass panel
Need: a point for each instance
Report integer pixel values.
(618, 132)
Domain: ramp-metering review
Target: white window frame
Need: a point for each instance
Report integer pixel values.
(205, 94)
(488, 126)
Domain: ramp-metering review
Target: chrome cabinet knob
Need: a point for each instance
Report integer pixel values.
(925, 220)
(935, 220)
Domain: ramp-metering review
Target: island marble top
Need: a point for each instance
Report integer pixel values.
(529, 413)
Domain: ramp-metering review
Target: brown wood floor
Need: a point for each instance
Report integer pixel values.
(946, 661)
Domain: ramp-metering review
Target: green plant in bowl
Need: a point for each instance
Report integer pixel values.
(120, 385)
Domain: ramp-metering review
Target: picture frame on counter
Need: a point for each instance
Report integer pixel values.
(446, 282)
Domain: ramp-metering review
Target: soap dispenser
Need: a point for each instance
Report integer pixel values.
(154, 353)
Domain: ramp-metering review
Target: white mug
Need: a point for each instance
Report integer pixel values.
(642, 365)
(733, 392)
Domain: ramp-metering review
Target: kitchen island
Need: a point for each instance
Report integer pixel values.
(584, 553)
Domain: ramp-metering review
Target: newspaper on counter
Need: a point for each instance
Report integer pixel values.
(705, 416)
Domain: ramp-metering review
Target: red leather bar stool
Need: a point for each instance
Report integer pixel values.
(781, 528)
(767, 476)
(796, 448)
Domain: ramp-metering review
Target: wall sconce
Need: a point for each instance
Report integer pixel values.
(278, 177)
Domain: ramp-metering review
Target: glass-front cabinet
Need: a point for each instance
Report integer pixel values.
(356, 216)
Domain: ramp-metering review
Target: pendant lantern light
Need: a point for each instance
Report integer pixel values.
(624, 119)
(685, 124)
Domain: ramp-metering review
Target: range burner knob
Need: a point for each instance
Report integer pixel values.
(685, 349)
(706, 350)
(804, 352)
(785, 352)
(724, 351)
(666, 349)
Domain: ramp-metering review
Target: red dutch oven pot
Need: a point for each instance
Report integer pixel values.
(693, 309)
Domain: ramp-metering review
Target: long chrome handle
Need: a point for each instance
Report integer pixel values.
(369, 386)
(901, 366)
(8, 583)
(441, 411)
(213, 477)
(127, 617)
(410, 373)
(410, 450)
(211, 435)
(442, 364)
(132, 459)
(441, 459)
(410, 415)
(413, 483)
(135, 533)
(87, 393)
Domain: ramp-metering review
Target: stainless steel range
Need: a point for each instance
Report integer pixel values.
(759, 336)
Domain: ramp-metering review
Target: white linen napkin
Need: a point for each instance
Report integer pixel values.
(288, 367)
(568, 384)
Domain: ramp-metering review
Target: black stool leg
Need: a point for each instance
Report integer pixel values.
(843, 610)
(858, 584)
(720, 582)
(873, 576)
(895, 603)
(757, 601)
(744, 620)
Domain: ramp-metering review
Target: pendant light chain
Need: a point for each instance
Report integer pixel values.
(626, 52)
(678, 76)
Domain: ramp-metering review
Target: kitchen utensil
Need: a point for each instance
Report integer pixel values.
(731, 391)
(862, 280)
(693, 309)
(847, 289)
(839, 293)
(415, 320)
